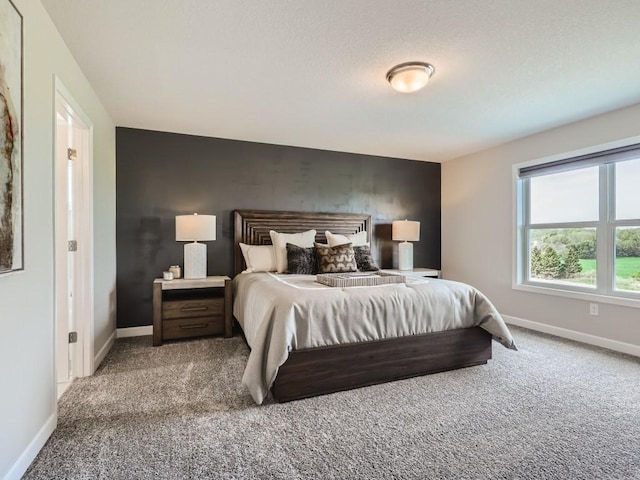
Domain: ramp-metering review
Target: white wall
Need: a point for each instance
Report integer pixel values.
(477, 227)
(27, 402)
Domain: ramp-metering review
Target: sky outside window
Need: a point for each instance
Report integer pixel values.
(565, 197)
(628, 190)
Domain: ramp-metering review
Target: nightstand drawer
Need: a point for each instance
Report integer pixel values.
(186, 308)
(192, 327)
(192, 308)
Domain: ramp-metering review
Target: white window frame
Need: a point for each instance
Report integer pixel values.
(605, 226)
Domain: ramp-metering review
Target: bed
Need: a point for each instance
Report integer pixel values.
(354, 355)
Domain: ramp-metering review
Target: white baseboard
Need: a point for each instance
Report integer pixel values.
(628, 348)
(134, 331)
(103, 351)
(29, 454)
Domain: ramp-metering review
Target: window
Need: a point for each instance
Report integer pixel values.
(579, 224)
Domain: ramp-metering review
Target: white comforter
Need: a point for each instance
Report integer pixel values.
(280, 313)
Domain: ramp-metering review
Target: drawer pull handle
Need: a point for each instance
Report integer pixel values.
(191, 327)
(193, 309)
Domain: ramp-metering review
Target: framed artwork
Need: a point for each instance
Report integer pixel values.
(11, 114)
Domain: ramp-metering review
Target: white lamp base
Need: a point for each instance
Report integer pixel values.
(195, 260)
(405, 256)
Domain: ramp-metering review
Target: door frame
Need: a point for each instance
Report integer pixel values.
(84, 364)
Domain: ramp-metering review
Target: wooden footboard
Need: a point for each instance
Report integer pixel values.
(318, 371)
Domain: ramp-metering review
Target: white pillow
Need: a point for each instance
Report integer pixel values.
(280, 240)
(259, 258)
(357, 239)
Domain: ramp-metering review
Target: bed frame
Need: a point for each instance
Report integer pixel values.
(316, 371)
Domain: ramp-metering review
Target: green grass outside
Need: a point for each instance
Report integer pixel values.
(588, 265)
(626, 267)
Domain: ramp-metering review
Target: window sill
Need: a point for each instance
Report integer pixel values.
(593, 297)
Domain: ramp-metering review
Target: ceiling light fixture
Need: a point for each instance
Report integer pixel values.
(410, 76)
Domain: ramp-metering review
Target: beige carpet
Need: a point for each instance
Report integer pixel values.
(553, 410)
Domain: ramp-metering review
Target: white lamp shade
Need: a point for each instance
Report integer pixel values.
(410, 77)
(195, 227)
(405, 231)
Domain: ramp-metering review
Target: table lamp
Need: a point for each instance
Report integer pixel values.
(194, 228)
(405, 231)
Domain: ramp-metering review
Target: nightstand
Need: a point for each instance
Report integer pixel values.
(417, 272)
(185, 308)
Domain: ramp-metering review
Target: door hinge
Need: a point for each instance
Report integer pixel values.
(73, 337)
(72, 246)
(72, 153)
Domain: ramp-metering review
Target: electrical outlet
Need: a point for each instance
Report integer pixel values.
(593, 309)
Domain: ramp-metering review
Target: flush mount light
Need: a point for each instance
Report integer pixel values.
(410, 76)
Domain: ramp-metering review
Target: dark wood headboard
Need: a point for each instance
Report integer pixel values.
(252, 227)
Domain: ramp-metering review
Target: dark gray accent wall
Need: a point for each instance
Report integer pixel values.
(161, 175)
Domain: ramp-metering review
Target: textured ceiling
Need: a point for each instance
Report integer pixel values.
(312, 73)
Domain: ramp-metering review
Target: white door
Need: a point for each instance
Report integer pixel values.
(71, 150)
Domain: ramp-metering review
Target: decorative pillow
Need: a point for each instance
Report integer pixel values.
(258, 258)
(357, 239)
(336, 259)
(280, 240)
(301, 261)
(364, 259)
